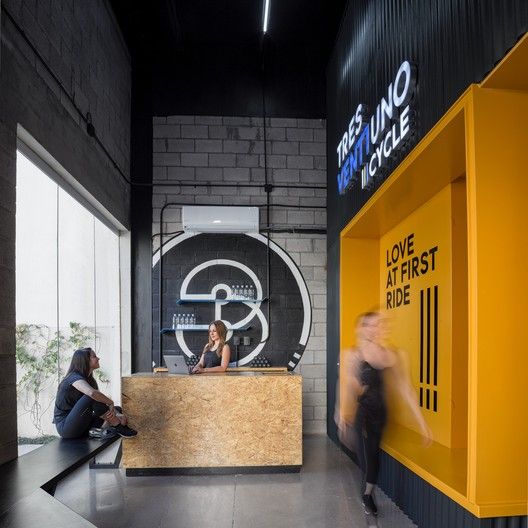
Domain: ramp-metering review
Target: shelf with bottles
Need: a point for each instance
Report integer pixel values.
(227, 299)
(236, 293)
(198, 328)
(186, 328)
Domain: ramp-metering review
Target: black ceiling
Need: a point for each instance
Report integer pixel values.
(205, 56)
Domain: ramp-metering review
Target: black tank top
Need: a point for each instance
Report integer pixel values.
(374, 396)
(211, 359)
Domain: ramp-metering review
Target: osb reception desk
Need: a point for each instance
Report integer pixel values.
(213, 423)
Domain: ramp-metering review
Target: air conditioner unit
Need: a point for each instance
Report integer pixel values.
(219, 219)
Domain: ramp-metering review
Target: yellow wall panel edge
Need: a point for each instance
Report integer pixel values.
(502, 509)
(472, 295)
(500, 253)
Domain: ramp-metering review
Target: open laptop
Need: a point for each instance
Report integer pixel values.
(176, 364)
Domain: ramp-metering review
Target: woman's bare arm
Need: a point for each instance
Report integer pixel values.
(84, 387)
(405, 388)
(199, 366)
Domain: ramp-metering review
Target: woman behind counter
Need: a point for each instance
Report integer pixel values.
(216, 353)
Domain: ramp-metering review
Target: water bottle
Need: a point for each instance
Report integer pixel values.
(173, 321)
(193, 320)
(252, 292)
(237, 292)
(232, 291)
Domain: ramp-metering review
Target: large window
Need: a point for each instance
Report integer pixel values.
(67, 297)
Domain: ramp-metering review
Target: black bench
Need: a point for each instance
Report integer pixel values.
(27, 484)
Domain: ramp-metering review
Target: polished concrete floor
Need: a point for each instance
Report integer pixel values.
(326, 493)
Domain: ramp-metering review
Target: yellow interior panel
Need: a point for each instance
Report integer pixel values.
(415, 277)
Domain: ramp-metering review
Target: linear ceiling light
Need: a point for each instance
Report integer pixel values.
(266, 16)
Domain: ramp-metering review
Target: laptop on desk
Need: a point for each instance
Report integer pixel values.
(176, 364)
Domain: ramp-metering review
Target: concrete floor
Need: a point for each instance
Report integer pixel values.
(326, 493)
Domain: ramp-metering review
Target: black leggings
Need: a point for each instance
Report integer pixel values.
(84, 415)
(369, 427)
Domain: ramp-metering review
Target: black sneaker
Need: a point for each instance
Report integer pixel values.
(125, 431)
(95, 432)
(103, 434)
(369, 505)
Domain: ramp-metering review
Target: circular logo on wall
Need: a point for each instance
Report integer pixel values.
(258, 292)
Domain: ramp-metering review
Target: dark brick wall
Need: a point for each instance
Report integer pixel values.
(227, 152)
(81, 43)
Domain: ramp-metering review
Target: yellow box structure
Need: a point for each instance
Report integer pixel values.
(442, 246)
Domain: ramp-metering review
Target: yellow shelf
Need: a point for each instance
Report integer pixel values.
(444, 468)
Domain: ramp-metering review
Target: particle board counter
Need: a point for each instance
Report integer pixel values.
(213, 423)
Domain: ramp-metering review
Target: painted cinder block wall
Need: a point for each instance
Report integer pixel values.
(80, 42)
(230, 151)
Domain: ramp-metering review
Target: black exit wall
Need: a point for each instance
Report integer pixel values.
(452, 43)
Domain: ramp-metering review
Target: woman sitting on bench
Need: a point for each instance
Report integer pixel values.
(79, 405)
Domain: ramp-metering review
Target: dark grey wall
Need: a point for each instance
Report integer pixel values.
(81, 44)
(141, 236)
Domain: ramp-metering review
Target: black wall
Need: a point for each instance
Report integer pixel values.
(229, 83)
(453, 43)
(206, 58)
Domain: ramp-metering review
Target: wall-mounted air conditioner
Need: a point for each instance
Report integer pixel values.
(219, 219)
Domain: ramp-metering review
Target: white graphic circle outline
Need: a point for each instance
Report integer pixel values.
(305, 296)
(254, 306)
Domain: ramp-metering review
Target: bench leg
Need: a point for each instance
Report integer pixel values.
(108, 465)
